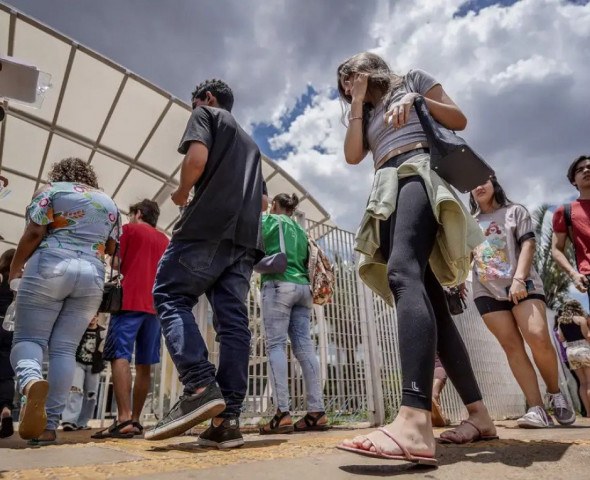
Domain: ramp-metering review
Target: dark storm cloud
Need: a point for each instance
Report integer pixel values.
(262, 49)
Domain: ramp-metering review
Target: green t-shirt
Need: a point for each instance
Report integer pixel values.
(295, 248)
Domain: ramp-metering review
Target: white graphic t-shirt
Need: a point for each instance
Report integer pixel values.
(496, 259)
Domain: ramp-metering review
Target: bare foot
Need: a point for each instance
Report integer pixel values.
(411, 428)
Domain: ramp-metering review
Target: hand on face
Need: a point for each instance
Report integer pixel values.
(356, 85)
(399, 112)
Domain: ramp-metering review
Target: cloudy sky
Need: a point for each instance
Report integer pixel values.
(519, 69)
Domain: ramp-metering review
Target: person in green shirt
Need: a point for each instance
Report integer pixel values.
(286, 312)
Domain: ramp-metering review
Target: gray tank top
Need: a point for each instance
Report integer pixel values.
(383, 138)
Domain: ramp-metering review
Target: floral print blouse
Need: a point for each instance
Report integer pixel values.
(78, 217)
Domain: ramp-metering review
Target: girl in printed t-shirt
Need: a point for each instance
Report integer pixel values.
(509, 295)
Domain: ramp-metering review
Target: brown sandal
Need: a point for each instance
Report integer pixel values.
(462, 439)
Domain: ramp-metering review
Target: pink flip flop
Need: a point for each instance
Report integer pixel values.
(406, 457)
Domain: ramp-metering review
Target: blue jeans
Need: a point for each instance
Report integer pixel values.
(58, 295)
(82, 398)
(222, 271)
(286, 310)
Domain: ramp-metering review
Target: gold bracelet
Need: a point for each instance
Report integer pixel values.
(350, 119)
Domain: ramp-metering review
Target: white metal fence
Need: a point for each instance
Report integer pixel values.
(357, 345)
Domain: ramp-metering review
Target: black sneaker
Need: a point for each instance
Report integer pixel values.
(69, 427)
(226, 435)
(188, 412)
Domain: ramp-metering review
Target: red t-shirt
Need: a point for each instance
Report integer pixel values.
(581, 231)
(142, 246)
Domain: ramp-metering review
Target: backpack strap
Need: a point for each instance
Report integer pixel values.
(567, 216)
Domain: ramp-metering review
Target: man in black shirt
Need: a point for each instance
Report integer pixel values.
(213, 249)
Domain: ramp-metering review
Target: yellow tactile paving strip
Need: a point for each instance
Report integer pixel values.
(182, 454)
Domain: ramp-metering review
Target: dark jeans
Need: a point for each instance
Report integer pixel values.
(222, 271)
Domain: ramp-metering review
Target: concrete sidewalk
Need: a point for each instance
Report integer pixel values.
(557, 453)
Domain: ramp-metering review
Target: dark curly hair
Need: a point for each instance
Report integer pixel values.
(150, 212)
(73, 170)
(219, 89)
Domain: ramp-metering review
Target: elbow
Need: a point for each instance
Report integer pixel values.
(461, 122)
(352, 159)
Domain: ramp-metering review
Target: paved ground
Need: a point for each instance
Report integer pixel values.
(558, 453)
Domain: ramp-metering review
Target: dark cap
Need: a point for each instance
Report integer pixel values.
(571, 170)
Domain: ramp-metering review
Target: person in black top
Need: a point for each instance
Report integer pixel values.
(83, 394)
(213, 250)
(574, 329)
(6, 372)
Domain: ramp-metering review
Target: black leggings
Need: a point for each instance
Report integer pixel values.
(424, 322)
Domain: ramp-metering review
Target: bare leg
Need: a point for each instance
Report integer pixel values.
(532, 321)
(121, 372)
(141, 387)
(583, 375)
(503, 326)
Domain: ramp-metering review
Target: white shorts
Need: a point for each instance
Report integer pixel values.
(578, 354)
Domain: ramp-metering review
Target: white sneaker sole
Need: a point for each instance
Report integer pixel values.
(238, 442)
(527, 424)
(182, 424)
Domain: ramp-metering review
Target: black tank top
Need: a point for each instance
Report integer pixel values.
(571, 331)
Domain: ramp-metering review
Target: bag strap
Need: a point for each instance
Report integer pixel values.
(281, 236)
(117, 253)
(567, 216)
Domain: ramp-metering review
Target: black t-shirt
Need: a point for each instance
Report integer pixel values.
(88, 351)
(228, 196)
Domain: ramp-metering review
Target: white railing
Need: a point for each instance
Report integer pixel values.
(357, 346)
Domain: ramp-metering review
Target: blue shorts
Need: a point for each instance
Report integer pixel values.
(133, 329)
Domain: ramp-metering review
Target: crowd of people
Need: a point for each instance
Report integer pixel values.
(415, 236)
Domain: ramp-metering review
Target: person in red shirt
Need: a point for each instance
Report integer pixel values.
(136, 326)
(578, 174)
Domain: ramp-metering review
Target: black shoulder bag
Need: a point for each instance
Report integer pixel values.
(450, 156)
(112, 296)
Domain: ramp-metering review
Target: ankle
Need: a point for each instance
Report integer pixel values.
(420, 419)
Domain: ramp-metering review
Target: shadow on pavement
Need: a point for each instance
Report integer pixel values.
(512, 453)
(192, 447)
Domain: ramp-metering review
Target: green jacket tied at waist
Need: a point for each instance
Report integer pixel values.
(457, 236)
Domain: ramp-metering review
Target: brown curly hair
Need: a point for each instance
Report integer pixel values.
(568, 310)
(73, 170)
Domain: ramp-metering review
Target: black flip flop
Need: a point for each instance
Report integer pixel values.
(114, 431)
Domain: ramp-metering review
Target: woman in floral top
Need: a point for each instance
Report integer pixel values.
(71, 224)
